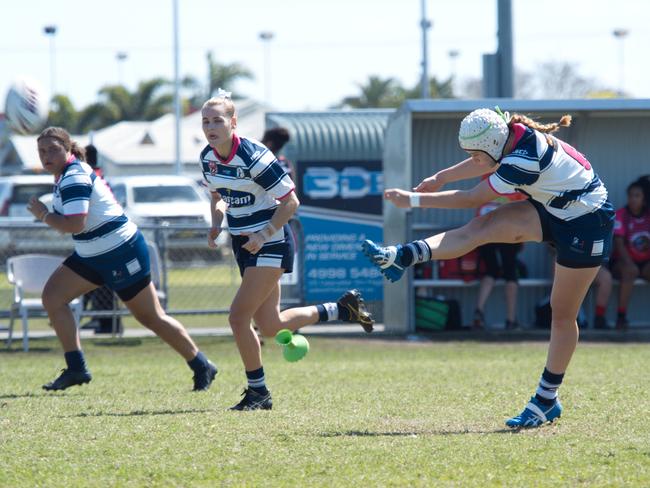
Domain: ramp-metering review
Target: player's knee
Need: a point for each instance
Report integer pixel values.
(561, 315)
(562, 321)
(150, 320)
(473, 231)
(483, 228)
(52, 301)
(238, 320)
(266, 330)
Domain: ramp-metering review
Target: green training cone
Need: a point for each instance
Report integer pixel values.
(294, 346)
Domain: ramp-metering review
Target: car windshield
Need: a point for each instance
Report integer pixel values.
(162, 194)
(22, 193)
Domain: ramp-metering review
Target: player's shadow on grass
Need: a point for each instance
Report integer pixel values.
(365, 433)
(138, 413)
(15, 396)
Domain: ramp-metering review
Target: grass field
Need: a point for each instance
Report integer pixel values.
(352, 413)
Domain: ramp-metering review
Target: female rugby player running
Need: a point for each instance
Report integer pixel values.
(567, 206)
(251, 188)
(109, 250)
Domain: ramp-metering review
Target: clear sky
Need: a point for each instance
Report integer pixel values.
(322, 48)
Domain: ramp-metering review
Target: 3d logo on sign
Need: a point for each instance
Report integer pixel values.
(352, 182)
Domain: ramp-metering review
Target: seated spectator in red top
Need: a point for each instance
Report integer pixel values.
(631, 246)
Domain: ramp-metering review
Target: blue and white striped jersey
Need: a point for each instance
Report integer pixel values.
(79, 191)
(250, 181)
(555, 175)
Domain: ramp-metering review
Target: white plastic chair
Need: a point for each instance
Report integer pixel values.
(29, 273)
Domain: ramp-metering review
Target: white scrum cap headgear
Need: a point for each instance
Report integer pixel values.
(484, 130)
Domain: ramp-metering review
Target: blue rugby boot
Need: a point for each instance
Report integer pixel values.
(535, 414)
(387, 259)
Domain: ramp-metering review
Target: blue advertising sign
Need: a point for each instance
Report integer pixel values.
(333, 258)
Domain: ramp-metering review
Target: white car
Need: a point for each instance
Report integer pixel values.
(18, 231)
(168, 201)
(15, 192)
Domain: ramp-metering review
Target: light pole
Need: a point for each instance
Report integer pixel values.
(621, 34)
(453, 55)
(425, 24)
(177, 89)
(50, 31)
(266, 37)
(121, 56)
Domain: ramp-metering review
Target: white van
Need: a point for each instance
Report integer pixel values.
(168, 200)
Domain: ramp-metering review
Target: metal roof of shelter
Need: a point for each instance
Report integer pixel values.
(333, 134)
(577, 105)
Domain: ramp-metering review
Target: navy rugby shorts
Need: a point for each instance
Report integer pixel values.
(272, 255)
(125, 270)
(584, 242)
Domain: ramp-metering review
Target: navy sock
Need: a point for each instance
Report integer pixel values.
(256, 381)
(328, 312)
(199, 363)
(407, 256)
(546, 392)
(415, 252)
(75, 360)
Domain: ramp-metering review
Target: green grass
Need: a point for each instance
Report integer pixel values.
(352, 413)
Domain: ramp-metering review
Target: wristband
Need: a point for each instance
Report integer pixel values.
(44, 215)
(268, 231)
(414, 199)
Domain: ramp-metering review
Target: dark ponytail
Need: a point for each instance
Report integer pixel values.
(78, 151)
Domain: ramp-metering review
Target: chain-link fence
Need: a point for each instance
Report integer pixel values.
(192, 279)
(194, 282)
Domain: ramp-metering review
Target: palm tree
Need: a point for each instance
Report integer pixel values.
(63, 113)
(225, 75)
(376, 93)
(219, 76)
(145, 103)
(96, 116)
(437, 89)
